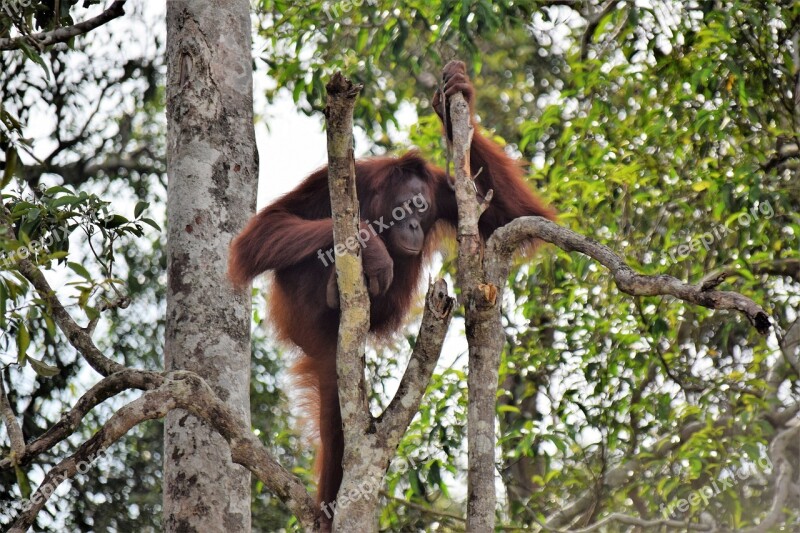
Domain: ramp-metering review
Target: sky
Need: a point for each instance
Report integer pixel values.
(292, 147)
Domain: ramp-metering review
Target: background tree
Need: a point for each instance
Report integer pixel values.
(211, 196)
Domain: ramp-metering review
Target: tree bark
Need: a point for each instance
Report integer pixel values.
(354, 304)
(369, 442)
(212, 165)
(483, 329)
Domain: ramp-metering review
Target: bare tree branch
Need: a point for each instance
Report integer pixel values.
(505, 241)
(107, 388)
(483, 328)
(363, 455)
(439, 514)
(369, 442)
(405, 404)
(354, 299)
(575, 4)
(776, 267)
(651, 525)
(60, 35)
(780, 267)
(181, 390)
(12, 427)
(153, 404)
(79, 172)
(78, 337)
(785, 152)
(196, 396)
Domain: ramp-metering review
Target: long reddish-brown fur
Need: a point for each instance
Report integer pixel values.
(285, 237)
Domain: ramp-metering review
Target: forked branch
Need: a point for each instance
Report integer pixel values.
(506, 240)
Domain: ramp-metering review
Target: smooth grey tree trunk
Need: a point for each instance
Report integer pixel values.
(212, 164)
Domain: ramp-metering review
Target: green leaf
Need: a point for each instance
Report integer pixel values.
(23, 341)
(34, 56)
(416, 483)
(22, 482)
(659, 327)
(139, 209)
(557, 441)
(361, 40)
(79, 270)
(52, 191)
(115, 221)
(435, 477)
(298, 90)
(51, 326)
(11, 165)
(696, 466)
(43, 369)
(65, 200)
(151, 222)
(91, 312)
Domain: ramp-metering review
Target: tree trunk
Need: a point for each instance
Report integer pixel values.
(212, 167)
(483, 328)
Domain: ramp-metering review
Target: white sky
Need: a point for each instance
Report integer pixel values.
(294, 146)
